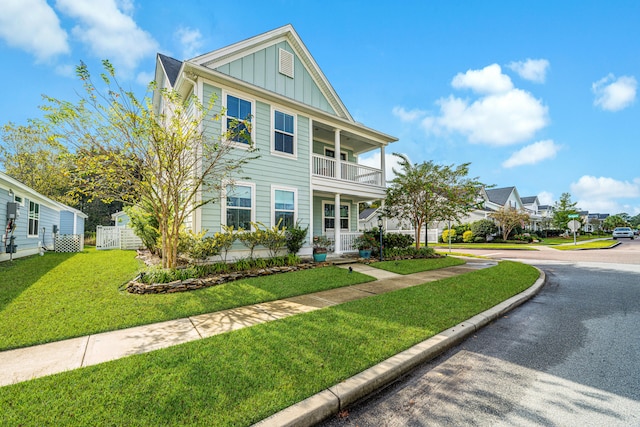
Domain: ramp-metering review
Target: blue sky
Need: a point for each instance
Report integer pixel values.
(541, 95)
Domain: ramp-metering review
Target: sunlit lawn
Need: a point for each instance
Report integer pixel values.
(241, 377)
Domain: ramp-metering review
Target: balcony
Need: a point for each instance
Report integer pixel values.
(326, 167)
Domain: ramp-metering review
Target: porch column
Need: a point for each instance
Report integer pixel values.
(382, 167)
(337, 147)
(336, 226)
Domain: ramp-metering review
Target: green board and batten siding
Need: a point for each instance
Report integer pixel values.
(261, 69)
(267, 169)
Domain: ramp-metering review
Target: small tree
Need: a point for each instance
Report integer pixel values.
(295, 237)
(158, 152)
(427, 192)
(614, 221)
(561, 211)
(509, 218)
(483, 228)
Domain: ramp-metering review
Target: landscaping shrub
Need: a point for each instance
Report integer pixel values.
(483, 228)
(447, 233)
(198, 246)
(295, 237)
(397, 240)
(145, 225)
(410, 252)
(467, 236)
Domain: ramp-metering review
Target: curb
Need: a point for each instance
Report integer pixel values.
(336, 398)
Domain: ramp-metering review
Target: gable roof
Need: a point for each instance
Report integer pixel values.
(499, 196)
(225, 55)
(366, 214)
(171, 67)
(528, 200)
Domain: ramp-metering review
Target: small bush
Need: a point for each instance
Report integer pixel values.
(447, 233)
(467, 236)
(295, 237)
(479, 239)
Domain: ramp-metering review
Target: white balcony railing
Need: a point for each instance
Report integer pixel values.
(353, 172)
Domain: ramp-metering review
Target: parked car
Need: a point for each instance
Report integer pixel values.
(619, 232)
(636, 232)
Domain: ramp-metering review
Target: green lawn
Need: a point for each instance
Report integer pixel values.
(409, 266)
(563, 240)
(60, 295)
(520, 246)
(241, 377)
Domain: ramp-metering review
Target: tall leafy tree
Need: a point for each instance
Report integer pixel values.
(509, 218)
(132, 151)
(427, 192)
(561, 211)
(30, 155)
(614, 221)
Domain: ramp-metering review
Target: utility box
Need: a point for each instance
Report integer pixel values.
(12, 210)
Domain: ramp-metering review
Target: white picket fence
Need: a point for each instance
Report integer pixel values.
(109, 237)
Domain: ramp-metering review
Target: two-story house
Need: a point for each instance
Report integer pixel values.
(308, 142)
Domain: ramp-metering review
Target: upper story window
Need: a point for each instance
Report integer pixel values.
(238, 117)
(283, 133)
(239, 206)
(18, 199)
(34, 218)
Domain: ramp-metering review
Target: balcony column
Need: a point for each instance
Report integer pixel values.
(337, 150)
(382, 167)
(337, 247)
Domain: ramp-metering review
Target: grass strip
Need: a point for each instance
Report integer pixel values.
(598, 244)
(455, 246)
(409, 266)
(61, 296)
(241, 377)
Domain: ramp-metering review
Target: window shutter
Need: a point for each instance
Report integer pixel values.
(286, 63)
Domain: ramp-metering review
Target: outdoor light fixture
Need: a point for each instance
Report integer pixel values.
(380, 222)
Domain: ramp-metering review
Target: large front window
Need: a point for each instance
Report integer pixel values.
(34, 218)
(284, 207)
(330, 216)
(239, 203)
(283, 132)
(238, 119)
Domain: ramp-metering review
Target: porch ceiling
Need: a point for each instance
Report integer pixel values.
(348, 139)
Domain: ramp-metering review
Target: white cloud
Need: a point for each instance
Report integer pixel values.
(191, 41)
(33, 25)
(109, 31)
(545, 198)
(614, 94)
(605, 195)
(407, 115)
(534, 70)
(532, 154)
(486, 81)
(498, 119)
(144, 78)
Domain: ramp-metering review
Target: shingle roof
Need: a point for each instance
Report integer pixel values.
(528, 200)
(171, 67)
(499, 196)
(365, 214)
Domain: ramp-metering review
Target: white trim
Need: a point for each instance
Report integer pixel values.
(223, 201)
(332, 202)
(272, 120)
(36, 217)
(293, 190)
(20, 202)
(224, 129)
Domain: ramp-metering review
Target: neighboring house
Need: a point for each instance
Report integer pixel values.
(308, 142)
(120, 219)
(35, 221)
(593, 222)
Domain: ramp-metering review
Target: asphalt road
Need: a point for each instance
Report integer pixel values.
(568, 357)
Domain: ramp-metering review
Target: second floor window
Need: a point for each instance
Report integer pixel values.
(238, 111)
(283, 132)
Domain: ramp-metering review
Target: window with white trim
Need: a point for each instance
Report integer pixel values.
(18, 199)
(284, 206)
(239, 204)
(329, 216)
(283, 132)
(34, 218)
(239, 113)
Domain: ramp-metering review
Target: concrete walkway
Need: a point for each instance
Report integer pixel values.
(32, 362)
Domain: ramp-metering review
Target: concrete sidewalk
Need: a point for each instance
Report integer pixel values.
(32, 362)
